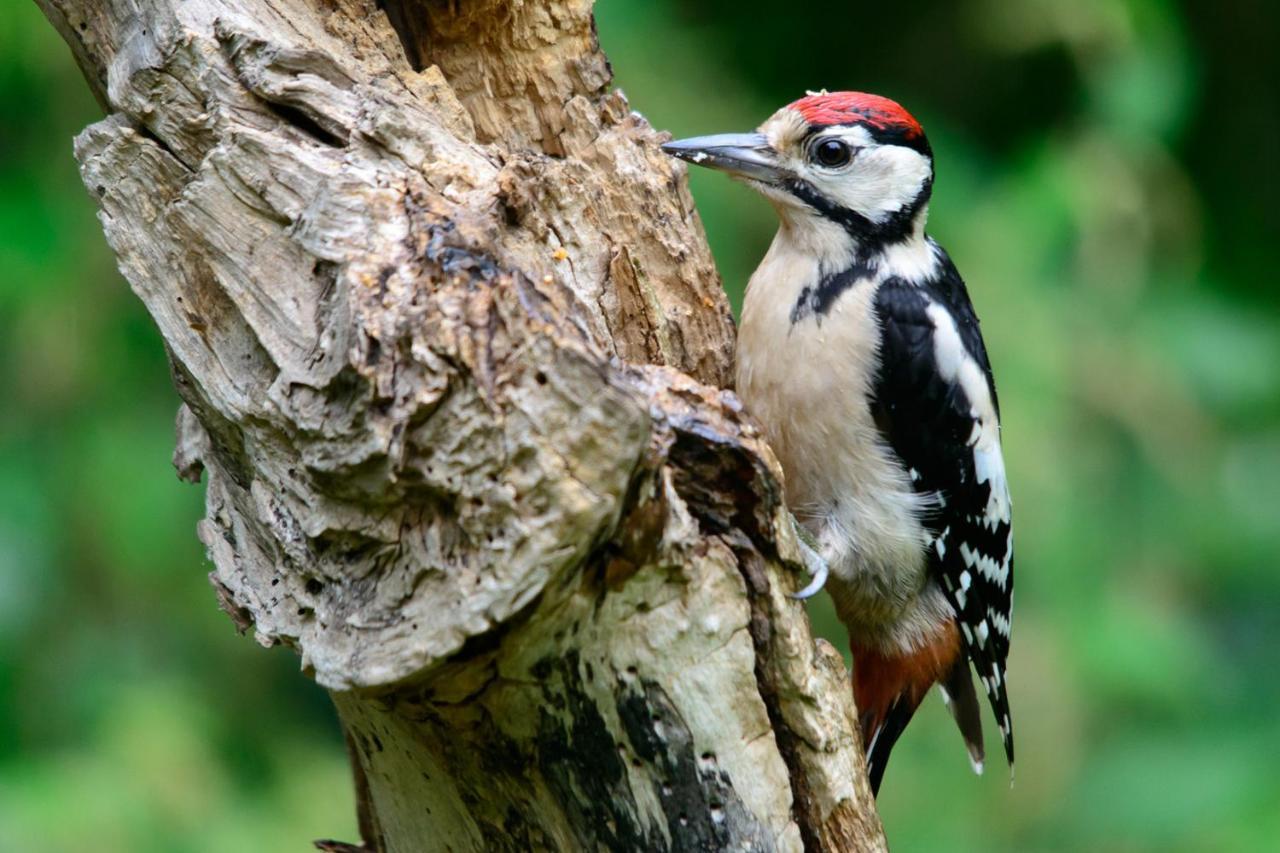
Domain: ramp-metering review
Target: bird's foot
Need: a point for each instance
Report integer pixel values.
(813, 562)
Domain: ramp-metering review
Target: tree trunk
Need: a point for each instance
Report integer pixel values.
(449, 343)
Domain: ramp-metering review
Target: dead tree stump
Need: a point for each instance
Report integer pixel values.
(450, 347)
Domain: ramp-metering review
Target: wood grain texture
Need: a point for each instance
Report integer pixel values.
(450, 346)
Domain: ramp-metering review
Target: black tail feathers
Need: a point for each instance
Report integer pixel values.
(880, 737)
(957, 689)
(962, 701)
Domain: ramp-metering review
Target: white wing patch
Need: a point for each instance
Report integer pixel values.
(956, 364)
(989, 466)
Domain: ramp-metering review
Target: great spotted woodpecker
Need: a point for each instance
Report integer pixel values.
(860, 354)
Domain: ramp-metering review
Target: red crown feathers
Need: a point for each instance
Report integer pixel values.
(833, 108)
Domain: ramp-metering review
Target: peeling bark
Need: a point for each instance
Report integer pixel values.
(449, 343)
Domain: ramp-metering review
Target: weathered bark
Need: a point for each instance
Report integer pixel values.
(449, 342)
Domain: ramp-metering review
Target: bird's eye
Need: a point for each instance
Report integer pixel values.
(832, 153)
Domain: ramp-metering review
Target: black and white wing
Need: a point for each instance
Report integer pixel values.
(935, 402)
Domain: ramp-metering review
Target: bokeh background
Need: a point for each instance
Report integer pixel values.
(1106, 181)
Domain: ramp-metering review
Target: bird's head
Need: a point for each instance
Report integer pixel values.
(858, 160)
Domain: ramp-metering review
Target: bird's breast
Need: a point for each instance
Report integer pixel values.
(808, 381)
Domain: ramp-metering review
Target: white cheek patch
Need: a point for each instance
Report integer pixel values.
(881, 180)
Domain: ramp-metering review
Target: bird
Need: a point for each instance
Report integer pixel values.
(860, 355)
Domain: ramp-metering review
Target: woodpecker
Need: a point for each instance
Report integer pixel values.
(860, 354)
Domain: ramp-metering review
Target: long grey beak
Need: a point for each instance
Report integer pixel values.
(746, 154)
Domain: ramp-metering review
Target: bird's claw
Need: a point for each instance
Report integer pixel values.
(813, 563)
(815, 585)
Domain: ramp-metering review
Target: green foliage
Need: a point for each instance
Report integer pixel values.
(1091, 189)
(1103, 187)
(132, 717)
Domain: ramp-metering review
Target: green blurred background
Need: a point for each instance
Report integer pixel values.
(1105, 179)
